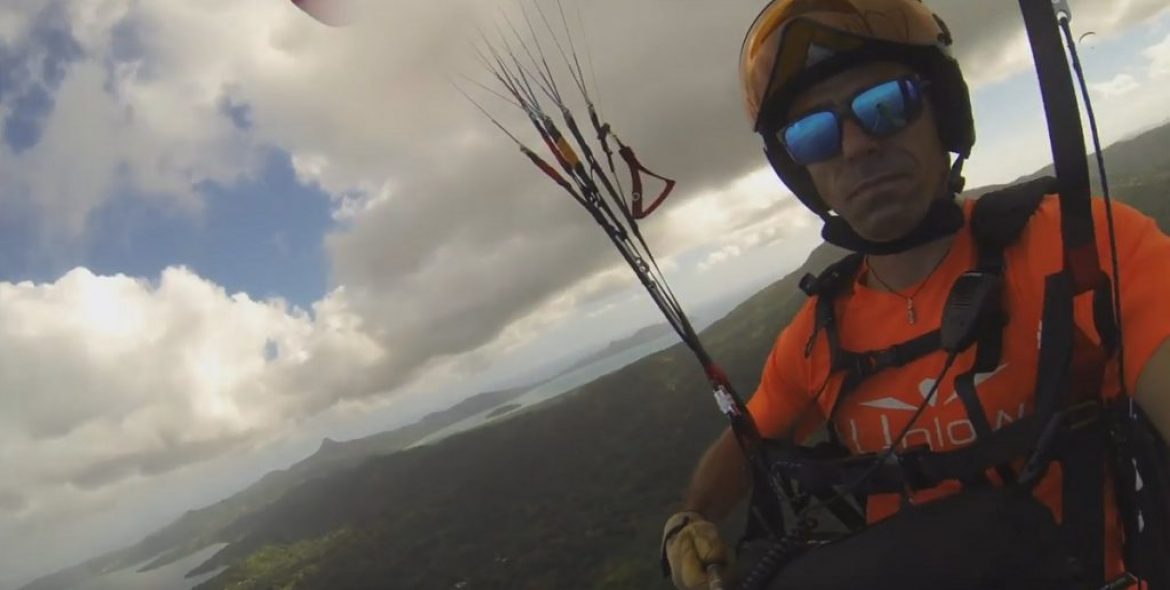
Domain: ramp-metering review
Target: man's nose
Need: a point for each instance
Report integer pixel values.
(855, 141)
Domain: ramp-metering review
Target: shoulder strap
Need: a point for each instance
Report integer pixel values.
(997, 220)
(834, 278)
(825, 287)
(999, 217)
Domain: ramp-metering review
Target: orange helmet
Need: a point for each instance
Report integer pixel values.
(794, 43)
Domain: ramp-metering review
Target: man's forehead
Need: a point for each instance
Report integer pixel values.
(841, 86)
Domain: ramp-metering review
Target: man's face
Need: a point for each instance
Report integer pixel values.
(881, 186)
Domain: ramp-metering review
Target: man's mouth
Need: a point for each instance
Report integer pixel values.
(869, 184)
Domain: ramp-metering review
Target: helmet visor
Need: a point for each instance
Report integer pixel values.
(790, 37)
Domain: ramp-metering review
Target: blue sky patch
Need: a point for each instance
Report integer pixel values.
(22, 126)
(32, 72)
(240, 114)
(263, 236)
(126, 46)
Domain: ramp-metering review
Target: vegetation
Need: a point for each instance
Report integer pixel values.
(198, 529)
(570, 496)
(283, 567)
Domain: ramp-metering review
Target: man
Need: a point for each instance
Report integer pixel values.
(861, 106)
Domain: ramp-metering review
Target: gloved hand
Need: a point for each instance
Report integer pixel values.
(690, 543)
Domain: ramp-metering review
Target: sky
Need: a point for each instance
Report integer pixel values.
(227, 231)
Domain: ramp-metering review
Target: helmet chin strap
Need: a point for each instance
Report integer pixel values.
(944, 218)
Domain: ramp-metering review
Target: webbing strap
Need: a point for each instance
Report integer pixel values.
(999, 217)
(1104, 321)
(1002, 217)
(1063, 356)
(825, 287)
(859, 366)
(989, 350)
(833, 279)
(1056, 344)
(986, 359)
(1067, 139)
(1082, 462)
(918, 468)
(997, 220)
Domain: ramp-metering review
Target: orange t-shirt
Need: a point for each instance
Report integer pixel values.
(869, 319)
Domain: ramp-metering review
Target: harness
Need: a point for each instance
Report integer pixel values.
(1070, 427)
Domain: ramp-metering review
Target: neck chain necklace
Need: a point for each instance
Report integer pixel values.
(911, 317)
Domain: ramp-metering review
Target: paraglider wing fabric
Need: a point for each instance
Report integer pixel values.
(334, 13)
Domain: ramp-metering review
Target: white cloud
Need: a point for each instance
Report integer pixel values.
(449, 236)
(992, 46)
(1118, 86)
(451, 242)
(107, 381)
(137, 108)
(719, 256)
(1159, 56)
(752, 211)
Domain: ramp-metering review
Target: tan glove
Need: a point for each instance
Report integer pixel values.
(691, 543)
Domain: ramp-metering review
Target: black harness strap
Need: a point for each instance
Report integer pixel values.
(997, 220)
(1067, 139)
(825, 287)
(859, 366)
(1057, 398)
(1065, 427)
(824, 466)
(1083, 472)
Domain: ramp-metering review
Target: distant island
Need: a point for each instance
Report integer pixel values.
(647, 334)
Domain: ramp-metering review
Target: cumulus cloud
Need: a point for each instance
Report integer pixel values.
(105, 379)
(447, 241)
(96, 105)
(753, 211)
(433, 235)
(446, 236)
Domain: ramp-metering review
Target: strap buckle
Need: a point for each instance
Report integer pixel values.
(909, 461)
(887, 357)
(867, 364)
(864, 365)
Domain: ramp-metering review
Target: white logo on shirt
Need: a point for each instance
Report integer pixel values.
(934, 433)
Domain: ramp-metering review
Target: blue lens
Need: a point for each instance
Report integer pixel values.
(886, 108)
(813, 138)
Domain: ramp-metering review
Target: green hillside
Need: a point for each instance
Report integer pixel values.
(571, 495)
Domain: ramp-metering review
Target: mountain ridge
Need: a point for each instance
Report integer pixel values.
(199, 528)
(332, 542)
